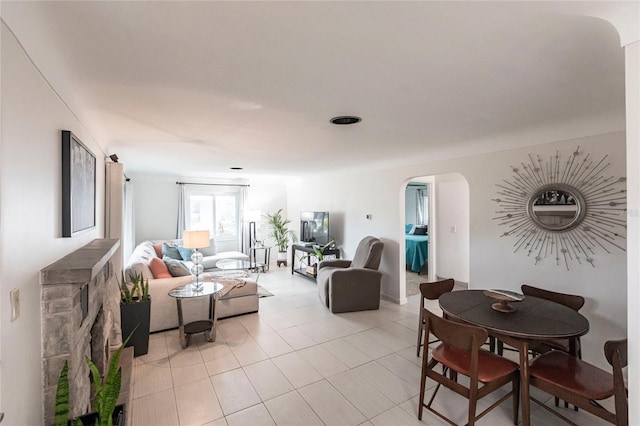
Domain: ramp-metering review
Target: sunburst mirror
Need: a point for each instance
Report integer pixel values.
(565, 211)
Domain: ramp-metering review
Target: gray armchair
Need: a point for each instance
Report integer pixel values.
(352, 285)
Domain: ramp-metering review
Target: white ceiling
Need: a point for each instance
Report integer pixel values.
(193, 88)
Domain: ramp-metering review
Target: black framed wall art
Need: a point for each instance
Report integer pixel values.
(78, 186)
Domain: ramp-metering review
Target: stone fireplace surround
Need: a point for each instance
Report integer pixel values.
(77, 321)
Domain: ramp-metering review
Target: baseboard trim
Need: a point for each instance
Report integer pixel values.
(458, 284)
(396, 300)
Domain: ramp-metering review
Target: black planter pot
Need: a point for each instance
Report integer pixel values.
(134, 315)
(92, 418)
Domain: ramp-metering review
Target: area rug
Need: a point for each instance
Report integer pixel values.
(263, 292)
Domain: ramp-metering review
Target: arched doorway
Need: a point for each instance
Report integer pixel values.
(444, 203)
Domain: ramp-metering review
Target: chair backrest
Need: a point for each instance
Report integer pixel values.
(461, 336)
(572, 301)
(616, 353)
(434, 290)
(611, 347)
(368, 253)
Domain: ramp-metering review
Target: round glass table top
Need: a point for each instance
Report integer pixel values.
(187, 291)
(230, 264)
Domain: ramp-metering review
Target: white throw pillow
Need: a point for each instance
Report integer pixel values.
(209, 251)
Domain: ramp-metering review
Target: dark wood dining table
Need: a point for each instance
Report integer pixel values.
(534, 320)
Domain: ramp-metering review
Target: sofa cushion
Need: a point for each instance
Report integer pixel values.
(209, 251)
(176, 268)
(171, 250)
(139, 268)
(158, 268)
(158, 248)
(185, 253)
(139, 261)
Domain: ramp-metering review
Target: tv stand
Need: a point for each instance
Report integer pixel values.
(308, 249)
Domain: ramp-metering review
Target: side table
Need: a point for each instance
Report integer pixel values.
(253, 257)
(207, 326)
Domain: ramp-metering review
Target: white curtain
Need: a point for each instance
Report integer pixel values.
(244, 227)
(182, 216)
(128, 222)
(420, 207)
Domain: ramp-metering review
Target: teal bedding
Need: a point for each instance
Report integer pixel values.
(416, 251)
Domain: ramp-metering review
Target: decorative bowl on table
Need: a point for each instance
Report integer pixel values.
(504, 297)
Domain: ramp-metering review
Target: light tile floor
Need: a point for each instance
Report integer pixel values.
(295, 363)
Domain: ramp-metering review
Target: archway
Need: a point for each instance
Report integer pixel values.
(446, 222)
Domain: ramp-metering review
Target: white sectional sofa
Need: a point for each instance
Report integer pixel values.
(164, 313)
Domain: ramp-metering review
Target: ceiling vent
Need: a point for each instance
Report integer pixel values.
(346, 119)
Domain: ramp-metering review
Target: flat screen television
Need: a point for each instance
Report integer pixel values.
(314, 227)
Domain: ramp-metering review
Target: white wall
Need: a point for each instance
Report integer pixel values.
(632, 99)
(155, 206)
(452, 210)
(492, 263)
(268, 195)
(30, 220)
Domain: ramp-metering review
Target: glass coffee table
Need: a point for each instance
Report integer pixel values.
(207, 326)
(240, 265)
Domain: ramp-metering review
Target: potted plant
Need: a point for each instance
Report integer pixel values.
(280, 233)
(135, 312)
(107, 392)
(318, 253)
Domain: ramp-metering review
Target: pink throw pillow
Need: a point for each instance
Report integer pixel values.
(159, 268)
(158, 248)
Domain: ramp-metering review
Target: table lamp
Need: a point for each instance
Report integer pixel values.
(196, 240)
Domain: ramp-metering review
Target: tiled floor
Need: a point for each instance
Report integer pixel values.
(295, 363)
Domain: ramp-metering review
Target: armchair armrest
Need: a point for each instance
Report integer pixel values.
(335, 263)
(354, 289)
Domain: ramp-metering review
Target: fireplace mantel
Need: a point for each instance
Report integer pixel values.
(82, 265)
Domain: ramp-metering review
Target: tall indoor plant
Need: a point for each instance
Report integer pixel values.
(135, 312)
(280, 233)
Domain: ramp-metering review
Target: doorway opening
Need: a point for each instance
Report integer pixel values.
(419, 220)
(435, 243)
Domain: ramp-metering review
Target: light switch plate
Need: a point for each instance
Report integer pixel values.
(15, 304)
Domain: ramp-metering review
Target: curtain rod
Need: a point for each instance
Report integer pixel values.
(212, 184)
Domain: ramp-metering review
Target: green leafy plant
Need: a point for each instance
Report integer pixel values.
(318, 252)
(280, 233)
(107, 391)
(62, 398)
(136, 290)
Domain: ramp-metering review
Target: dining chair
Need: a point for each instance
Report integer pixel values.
(460, 353)
(431, 291)
(572, 301)
(583, 384)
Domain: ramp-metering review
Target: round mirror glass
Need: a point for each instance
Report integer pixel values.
(556, 207)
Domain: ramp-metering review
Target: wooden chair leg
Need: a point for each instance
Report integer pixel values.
(473, 403)
(515, 386)
(419, 335)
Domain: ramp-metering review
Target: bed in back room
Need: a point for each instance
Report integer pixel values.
(416, 246)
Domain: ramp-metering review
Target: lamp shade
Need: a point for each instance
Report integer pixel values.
(195, 239)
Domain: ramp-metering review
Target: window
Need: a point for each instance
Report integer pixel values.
(215, 210)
